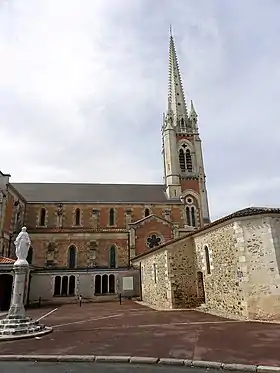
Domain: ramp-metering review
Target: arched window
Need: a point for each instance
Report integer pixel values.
(72, 285)
(182, 123)
(104, 284)
(188, 215)
(147, 212)
(189, 160)
(207, 259)
(77, 217)
(111, 283)
(43, 217)
(112, 257)
(64, 287)
(30, 255)
(72, 257)
(193, 217)
(57, 285)
(182, 160)
(112, 217)
(97, 284)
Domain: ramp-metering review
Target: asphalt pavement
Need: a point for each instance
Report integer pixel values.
(31, 367)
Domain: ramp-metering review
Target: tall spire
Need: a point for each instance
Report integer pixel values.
(176, 99)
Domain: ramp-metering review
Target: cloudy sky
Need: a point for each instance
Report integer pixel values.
(83, 84)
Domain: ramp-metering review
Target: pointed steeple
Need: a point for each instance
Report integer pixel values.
(176, 99)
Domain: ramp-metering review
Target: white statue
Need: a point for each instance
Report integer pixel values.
(22, 244)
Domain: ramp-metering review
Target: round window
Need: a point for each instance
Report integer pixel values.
(153, 241)
(189, 200)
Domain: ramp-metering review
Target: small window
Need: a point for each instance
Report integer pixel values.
(43, 217)
(112, 217)
(155, 272)
(207, 259)
(77, 217)
(147, 212)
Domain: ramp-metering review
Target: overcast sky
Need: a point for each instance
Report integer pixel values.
(83, 84)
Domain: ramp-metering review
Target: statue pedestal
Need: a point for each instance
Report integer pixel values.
(17, 303)
(16, 325)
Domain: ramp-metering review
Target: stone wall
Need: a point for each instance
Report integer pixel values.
(224, 294)
(260, 271)
(183, 273)
(156, 287)
(244, 279)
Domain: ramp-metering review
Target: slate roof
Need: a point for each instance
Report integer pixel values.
(248, 211)
(93, 193)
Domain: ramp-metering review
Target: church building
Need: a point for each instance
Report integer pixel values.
(84, 236)
(152, 241)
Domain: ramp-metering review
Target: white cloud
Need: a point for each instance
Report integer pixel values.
(83, 85)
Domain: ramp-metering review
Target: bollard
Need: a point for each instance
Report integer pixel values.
(80, 299)
(120, 298)
(39, 303)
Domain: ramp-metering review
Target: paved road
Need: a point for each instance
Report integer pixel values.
(30, 367)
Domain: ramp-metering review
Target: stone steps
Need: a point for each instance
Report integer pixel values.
(15, 326)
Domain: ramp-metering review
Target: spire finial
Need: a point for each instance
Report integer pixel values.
(170, 30)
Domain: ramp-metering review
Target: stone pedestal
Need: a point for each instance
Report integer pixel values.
(16, 325)
(17, 302)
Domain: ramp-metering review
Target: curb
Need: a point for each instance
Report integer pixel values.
(143, 360)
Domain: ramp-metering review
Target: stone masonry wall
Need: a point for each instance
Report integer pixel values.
(260, 277)
(183, 273)
(223, 293)
(155, 280)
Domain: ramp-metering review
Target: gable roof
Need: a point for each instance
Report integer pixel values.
(93, 193)
(150, 217)
(248, 211)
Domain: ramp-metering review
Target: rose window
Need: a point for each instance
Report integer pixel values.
(153, 241)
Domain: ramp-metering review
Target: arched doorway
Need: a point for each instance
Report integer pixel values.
(200, 287)
(6, 285)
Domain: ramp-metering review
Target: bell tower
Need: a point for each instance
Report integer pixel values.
(182, 150)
